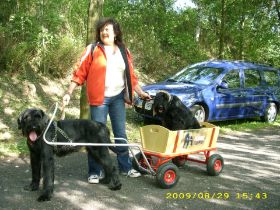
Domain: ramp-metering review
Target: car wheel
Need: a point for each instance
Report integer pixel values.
(215, 165)
(199, 113)
(167, 175)
(270, 113)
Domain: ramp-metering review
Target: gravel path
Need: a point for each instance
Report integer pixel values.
(250, 180)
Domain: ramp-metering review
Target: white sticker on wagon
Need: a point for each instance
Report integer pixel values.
(193, 140)
(198, 140)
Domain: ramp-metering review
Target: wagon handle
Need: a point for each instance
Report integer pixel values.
(96, 144)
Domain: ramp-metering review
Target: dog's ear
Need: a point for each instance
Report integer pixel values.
(42, 113)
(44, 116)
(22, 116)
(166, 96)
(19, 120)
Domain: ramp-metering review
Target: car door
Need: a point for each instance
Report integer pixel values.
(272, 82)
(229, 101)
(255, 92)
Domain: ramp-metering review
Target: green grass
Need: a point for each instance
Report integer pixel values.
(245, 124)
(14, 148)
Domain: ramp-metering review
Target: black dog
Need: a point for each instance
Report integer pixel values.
(173, 113)
(33, 123)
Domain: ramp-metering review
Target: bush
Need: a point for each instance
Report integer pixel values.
(57, 55)
(62, 55)
(13, 55)
(149, 57)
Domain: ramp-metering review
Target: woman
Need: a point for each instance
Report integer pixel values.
(108, 71)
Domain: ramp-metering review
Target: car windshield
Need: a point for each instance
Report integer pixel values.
(197, 75)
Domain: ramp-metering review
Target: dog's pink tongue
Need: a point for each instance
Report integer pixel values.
(33, 136)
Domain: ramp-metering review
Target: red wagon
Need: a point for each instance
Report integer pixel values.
(164, 151)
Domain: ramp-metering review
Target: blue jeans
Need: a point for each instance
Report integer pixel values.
(115, 107)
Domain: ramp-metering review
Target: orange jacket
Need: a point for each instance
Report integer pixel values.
(92, 69)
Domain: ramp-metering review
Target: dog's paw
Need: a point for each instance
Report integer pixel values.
(31, 187)
(44, 197)
(105, 181)
(115, 187)
(115, 184)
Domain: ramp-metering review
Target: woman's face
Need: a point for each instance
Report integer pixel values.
(107, 34)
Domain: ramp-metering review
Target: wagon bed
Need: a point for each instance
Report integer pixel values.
(165, 150)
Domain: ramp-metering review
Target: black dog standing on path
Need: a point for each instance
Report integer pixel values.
(174, 114)
(33, 123)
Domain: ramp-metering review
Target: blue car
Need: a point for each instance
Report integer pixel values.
(218, 90)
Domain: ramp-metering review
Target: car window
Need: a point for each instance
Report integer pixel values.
(252, 78)
(232, 79)
(198, 75)
(271, 78)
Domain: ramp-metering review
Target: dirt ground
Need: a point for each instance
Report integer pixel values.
(249, 181)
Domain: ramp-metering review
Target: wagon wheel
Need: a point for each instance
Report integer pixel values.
(167, 175)
(215, 165)
(141, 161)
(179, 161)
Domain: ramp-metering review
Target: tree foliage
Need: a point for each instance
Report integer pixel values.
(49, 35)
(250, 28)
(41, 33)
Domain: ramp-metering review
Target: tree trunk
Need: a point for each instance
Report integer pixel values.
(222, 32)
(95, 11)
(241, 30)
(277, 9)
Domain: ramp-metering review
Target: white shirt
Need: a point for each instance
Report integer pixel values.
(114, 82)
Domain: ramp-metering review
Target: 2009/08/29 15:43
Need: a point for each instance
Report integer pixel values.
(219, 195)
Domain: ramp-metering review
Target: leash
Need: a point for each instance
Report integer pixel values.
(62, 117)
(57, 129)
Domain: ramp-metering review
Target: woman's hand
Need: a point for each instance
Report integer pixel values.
(141, 93)
(67, 95)
(66, 99)
(145, 96)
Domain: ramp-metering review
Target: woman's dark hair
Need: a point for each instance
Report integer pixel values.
(117, 30)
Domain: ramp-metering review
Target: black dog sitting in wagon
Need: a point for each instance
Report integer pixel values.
(173, 113)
